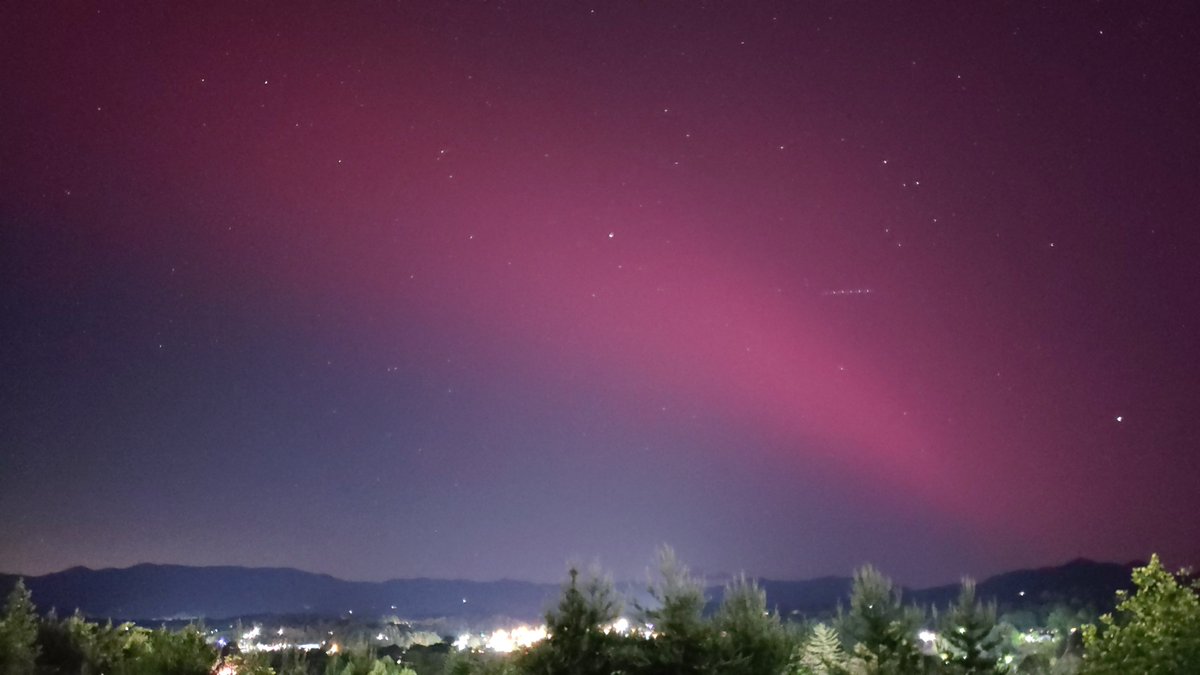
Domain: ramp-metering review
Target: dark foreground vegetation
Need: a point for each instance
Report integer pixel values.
(1154, 631)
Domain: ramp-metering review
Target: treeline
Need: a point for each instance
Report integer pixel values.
(1154, 631)
(34, 645)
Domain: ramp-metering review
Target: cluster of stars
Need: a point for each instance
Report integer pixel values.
(848, 291)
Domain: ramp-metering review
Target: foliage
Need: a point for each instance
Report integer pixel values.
(749, 639)
(970, 640)
(473, 663)
(253, 663)
(428, 659)
(1155, 631)
(1063, 619)
(292, 662)
(76, 645)
(180, 653)
(18, 633)
(683, 640)
(881, 632)
(577, 641)
(363, 661)
(820, 654)
(463, 663)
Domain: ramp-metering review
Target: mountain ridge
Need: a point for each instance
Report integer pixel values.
(151, 591)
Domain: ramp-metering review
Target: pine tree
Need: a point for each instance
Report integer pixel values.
(577, 642)
(881, 631)
(683, 642)
(750, 639)
(820, 654)
(970, 640)
(18, 633)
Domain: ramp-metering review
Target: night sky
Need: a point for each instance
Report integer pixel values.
(469, 289)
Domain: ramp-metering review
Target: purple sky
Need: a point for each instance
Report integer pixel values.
(471, 289)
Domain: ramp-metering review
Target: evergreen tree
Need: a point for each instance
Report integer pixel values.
(969, 638)
(881, 632)
(682, 640)
(1156, 631)
(577, 642)
(18, 633)
(820, 654)
(750, 640)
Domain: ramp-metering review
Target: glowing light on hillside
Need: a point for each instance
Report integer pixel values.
(504, 641)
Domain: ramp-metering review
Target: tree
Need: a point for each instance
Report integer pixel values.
(577, 642)
(180, 653)
(820, 654)
(469, 663)
(76, 645)
(881, 632)
(252, 663)
(682, 641)
(1155, 631)
(1063, 618)
(750, 639)
(18, 633)
(429, 658)
(969, 638)
(293, 662)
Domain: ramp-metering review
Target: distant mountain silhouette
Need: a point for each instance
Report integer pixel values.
(175, 591)
(1078, 583)
(159, 592)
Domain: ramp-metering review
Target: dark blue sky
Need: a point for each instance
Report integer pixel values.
(469, 289)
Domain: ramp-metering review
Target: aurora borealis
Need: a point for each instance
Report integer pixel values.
(469, 289)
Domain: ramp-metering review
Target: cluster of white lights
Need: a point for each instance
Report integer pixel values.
(504, 641)
(278, 646)
(622, 627)
(249, 642)
(1037, 636)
